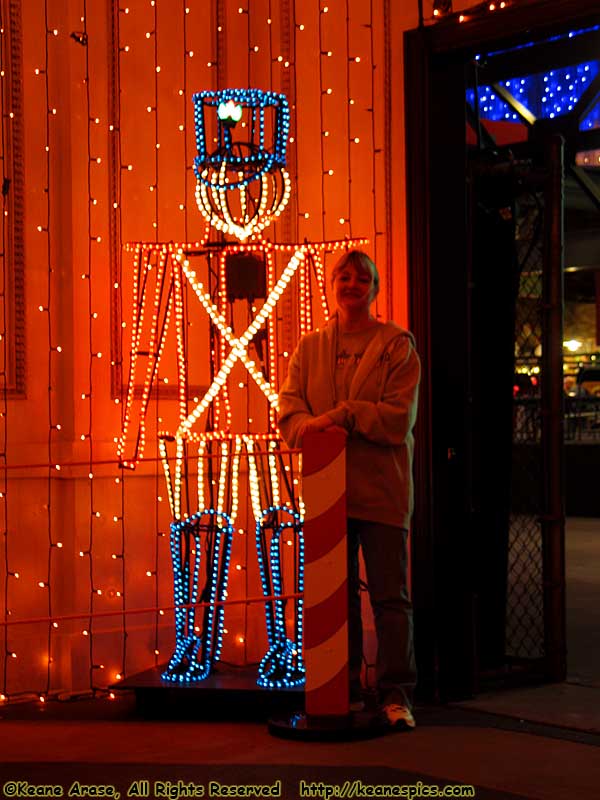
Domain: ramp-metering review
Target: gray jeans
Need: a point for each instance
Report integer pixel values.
(385, 557)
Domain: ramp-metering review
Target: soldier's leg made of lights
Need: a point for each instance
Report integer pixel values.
(197, 649)
(282, 665)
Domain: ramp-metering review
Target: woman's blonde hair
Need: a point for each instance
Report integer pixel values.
(362, 263)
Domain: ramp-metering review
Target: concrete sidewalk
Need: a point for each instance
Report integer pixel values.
(500, 756)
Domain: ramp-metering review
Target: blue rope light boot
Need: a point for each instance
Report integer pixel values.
(195, 654)
(283, 664)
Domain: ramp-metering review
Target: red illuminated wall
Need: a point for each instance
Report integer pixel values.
(98, 144)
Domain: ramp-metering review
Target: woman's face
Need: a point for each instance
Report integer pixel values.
(354, 289)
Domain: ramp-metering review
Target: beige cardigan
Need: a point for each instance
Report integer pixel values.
(379, 415)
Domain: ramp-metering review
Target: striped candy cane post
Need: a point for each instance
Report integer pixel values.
(325, 574)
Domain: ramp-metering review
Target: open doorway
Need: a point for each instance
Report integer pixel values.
(563, 87)
(582, 431)
(582, 423)
(499, 124)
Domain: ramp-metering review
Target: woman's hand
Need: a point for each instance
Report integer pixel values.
(316, 425)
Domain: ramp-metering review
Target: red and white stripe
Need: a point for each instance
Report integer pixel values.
(325, 573)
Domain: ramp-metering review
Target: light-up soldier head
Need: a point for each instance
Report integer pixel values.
(241, 138)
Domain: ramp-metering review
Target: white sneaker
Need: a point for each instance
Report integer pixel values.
(357, 704)
(399, 717)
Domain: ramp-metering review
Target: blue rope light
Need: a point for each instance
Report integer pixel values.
(558, 37)
(228, 106)
(283, 665)
(546, 95)
(195, 654)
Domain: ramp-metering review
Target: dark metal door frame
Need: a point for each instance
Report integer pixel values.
(436, 65)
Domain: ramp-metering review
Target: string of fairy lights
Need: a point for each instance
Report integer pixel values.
(298, 29)
(87, 276)
(3, 349)
(116, 223)
(354, 108)
(324, 133)
(100, 136)
(53, 427)
(351, 140)
(375, 151)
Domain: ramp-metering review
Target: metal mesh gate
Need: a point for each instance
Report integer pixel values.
(535, 602)
(525, 598)
(516, 313)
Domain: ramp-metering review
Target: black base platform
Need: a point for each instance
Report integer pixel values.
(299, 726)
(229, 692)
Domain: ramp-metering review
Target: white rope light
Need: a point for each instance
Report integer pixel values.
(240, 348)
(253, 480)
(220, 322)
(214, 202)
(274, 475)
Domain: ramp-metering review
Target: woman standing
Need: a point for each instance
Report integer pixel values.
(363, 375)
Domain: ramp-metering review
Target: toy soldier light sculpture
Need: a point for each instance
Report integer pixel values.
(242, 186)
